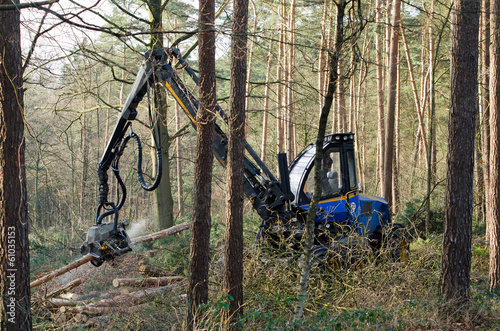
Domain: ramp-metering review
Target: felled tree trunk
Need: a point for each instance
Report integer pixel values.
(65, 288)
(61, 271)
(146, 282)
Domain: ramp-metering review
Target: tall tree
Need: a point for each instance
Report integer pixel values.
(180, 181)
(457, 238)
(266, 103)
(320, 138)
(163, 200)
(14, 252)
(379, 62)
(205, 126)
(494, 173)
(484, 103)
(233, 236)
(391, 104)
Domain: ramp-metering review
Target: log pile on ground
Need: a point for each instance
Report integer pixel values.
(65, 311)
(79, 311)
(146, 282)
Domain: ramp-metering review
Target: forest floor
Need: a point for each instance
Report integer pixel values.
(379, 296)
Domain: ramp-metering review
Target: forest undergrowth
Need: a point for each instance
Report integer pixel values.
(373, 295)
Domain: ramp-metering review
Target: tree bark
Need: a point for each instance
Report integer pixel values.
(485, 100)
(14, 248)
(180, 181)
(163, 199)
(279, 79)
(322, 55)
(494, 173)
(397, 141)
(266, 104)
(457, 238)
(391, 104)
(199, 259)
(233, 235)
(379, 63)
(311, 215)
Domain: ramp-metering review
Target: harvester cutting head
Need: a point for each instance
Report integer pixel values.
(105, 241)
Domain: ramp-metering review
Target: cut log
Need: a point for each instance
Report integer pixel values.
(161, 234)
(89, 310)
(137, 297)
(87, 258)
(65, 288)
(57, 303)
(132, 299)
(146, 282)
(63, 270)
(150, 271)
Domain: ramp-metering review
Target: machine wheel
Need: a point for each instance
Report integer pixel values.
(395, 243)
(341, 255)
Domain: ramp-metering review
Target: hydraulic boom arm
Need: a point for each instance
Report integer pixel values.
(269, 197)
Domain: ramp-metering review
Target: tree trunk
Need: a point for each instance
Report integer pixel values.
(14, 249)
(279, 79)
(379, 63)
(250, 60)
(290, 84)
(395, 163)
(341, 107)
(485, 101)
(205, 125)
(311, 215)
(322, 55)
(163, 199)
(391, 104)
(85, 163)
(233, 236)
(180, 181)
(266, 103)
(418, 105)
(494, 175)
(457, 238)
(431, 151)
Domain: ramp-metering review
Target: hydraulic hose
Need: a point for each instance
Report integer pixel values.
(155, 184)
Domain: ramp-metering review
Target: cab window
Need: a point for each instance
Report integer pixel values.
(331, 183)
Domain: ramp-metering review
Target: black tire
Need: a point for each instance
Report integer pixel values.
(395, 243)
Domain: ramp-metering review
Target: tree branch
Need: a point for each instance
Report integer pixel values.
(27, 5)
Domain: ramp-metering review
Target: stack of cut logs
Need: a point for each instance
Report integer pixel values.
(155, 284)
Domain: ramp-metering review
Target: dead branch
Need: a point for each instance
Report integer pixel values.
(58, 303)
(27, 5)
(88, 310)
(65, 288)
(146, 282)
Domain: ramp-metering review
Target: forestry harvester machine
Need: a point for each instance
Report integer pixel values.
(282, 204)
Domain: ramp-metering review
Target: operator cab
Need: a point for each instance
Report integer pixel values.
(338, 173)
(341, 200)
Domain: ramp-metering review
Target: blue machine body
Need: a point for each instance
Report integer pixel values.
(341, 201)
